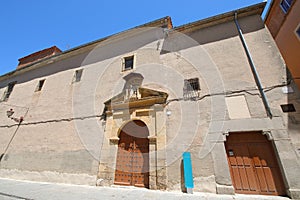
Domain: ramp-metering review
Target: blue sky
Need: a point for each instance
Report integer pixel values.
(28, 26)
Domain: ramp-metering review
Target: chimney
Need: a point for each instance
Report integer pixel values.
(37, 56)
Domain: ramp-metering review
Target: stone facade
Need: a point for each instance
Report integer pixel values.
(70, 128)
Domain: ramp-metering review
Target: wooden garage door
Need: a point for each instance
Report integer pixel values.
(132, 167)
(253, 165)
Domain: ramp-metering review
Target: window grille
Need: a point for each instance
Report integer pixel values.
(191, 88)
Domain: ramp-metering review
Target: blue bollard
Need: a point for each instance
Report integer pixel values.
(188, 172)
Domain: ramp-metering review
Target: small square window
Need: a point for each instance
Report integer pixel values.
(286, 5)
(191, 88)
(8, 90)
(288, 108)
(128, 63)
(40, 85)
(77, 75)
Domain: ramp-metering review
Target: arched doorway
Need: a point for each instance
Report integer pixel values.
(253, 165)
(132, 165)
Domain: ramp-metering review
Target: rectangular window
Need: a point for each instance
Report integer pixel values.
(128, 63)
(286, 5)
(288, 108)
(40, 85)
(191, 88)
(77, 75)
(8, 90)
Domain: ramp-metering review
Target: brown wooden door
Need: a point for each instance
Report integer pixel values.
(132, 167)
(253, 165)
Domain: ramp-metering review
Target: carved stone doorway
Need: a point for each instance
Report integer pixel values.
(132, 164)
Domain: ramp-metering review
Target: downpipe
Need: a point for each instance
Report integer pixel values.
(253, 69)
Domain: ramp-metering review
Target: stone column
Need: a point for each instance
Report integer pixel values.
(221, 168)
(160, 127)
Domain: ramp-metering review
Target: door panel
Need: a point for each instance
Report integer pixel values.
(141, 162)
(270, 179)
(236, 178)
(124, 163)
(261, 179)
(243, 176)
(251, 179)
(253, 165)
(132, 166)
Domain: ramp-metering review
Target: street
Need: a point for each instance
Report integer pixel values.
(26, 190)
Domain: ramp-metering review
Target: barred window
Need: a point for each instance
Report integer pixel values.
(191, 88)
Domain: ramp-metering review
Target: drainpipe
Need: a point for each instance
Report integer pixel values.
(253, 68)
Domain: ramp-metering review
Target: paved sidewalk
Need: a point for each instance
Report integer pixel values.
(26, 190)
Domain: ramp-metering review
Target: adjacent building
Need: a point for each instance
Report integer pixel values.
(124, 109)
(283, 21)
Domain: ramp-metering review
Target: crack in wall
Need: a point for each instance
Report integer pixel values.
(253, 92)
(53, 121)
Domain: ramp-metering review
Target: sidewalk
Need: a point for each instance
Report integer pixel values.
(26, 190)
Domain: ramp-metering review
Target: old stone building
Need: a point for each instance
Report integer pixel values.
(123, 109)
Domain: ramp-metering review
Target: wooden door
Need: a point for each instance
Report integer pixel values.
(132, 167)
(253, 165)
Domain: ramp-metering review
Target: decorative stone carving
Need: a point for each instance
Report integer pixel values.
(225, 135)
(268, 134)
(114, 140)
(152, 139)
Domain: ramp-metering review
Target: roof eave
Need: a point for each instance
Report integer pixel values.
(256, 9)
